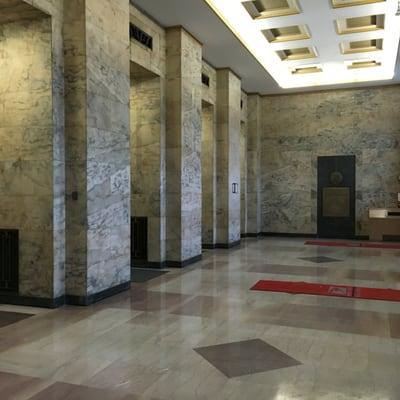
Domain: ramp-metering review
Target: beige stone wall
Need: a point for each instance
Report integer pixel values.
(26, 151)
(298, 128)
(243, 165)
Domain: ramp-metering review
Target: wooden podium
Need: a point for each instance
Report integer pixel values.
(384, 224)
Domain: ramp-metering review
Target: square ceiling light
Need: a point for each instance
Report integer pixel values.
(309, 69)
(363, 64)
(259, 9)
(360, 24)
(287, 33)
(300, 53)
(350, 3)
(362, 46)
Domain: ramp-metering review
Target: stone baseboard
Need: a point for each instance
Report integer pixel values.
(185, 263)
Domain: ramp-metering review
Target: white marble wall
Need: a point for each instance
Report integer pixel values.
(253, 164)
(228, 157)
(98, 145)
(298, 128)
(183, 143)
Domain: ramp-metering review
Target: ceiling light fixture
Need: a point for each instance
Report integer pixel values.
(251, 31)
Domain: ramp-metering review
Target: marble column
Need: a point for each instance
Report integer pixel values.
(96, 34)
(253, 165)
(243, 166)
(228, 158)
(183, 147)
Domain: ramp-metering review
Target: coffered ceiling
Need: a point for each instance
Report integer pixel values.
(291, 45)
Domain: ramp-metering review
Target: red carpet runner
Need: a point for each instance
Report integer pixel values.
(365, 245)
(327, 290)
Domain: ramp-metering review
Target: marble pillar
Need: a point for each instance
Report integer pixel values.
(96, 34)
(243, 166)
(183, 147)
(228, 158)
(254, 125)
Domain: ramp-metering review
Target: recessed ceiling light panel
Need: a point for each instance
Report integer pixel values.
(287, 33)
(361, 24)
(300, 53)
(362, 46)
(351, 3)
(259, 9)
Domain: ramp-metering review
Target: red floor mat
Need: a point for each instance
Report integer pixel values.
(367, 245)
(319, 289)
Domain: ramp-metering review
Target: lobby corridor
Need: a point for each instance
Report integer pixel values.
(201, 333)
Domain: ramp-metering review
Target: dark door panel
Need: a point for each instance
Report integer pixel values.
(336, 196)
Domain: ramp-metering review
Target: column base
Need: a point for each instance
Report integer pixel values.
(208, 246)
(227, 245)
(254, 235)
(185, 263)
(94, 298)
(149, 264)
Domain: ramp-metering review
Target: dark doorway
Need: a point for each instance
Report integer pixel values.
(139, 239)
(336, 196)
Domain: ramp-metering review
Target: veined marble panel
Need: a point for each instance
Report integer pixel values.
(297, 129)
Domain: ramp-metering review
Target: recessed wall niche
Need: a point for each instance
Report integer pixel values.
(26, 143)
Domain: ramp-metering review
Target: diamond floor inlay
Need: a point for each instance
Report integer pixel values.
(246, 357)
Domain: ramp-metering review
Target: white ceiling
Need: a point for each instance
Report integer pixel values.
(223, 49)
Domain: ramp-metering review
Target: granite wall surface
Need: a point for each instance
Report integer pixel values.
(98, 145)
(296, 129)
(183, 144)
(228, 157)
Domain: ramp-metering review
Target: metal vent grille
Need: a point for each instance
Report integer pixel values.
(140, 36)
(9, 260)
(205, 79)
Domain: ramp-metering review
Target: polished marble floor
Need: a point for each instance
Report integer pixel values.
(200, 333)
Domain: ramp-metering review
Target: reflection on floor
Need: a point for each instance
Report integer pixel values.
(200, 333)
(141, 275)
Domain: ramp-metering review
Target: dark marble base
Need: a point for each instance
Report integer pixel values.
(15, 299)
(227, 245)
(251, 235)
(94, 298)
(149, 264)
(290, 235)
(208, 246)
(185, 263)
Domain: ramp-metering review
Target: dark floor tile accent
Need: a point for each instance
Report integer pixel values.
(67, 391)
(8, 318)
(319, 259)
(245, 358)
(394, 321)
(140, 275)
(16, 386)
(345, 320)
